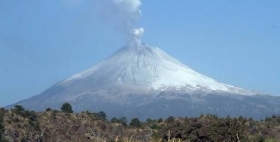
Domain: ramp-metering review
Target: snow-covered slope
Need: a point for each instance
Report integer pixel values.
(144, 82)
(149, 68)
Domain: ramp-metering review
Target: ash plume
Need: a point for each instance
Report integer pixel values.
(122, 15)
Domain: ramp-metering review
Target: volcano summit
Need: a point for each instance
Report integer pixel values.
(143, 81)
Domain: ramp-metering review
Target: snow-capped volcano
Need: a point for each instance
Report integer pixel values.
(149, 68)
(142, 81)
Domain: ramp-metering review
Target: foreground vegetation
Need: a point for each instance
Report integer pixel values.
(22, 125)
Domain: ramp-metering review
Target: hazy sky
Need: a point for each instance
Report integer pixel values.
(42, 42)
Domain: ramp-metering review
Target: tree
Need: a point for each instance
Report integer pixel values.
(1, 124)
(135, 122)
(48, 109)
(114, 120)
(170, 119)
(18, 109)
(67, 108)
(149, 120)
(122, 120)
(102, 115)
(160, 120)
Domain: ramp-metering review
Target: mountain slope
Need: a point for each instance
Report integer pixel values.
(137, 80)
(148, 68)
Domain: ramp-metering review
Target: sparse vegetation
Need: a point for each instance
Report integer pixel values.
(20, 124)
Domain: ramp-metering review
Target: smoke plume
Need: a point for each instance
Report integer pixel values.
(122, 15)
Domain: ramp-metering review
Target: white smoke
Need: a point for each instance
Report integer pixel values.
(135, 38)
(123, 15)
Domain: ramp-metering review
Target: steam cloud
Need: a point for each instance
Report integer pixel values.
(123, 15)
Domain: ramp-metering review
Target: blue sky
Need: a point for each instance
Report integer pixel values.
(43, 42)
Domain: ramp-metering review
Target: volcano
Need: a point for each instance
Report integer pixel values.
(143, 81)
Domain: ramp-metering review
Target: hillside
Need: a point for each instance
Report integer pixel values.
(18, 124)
